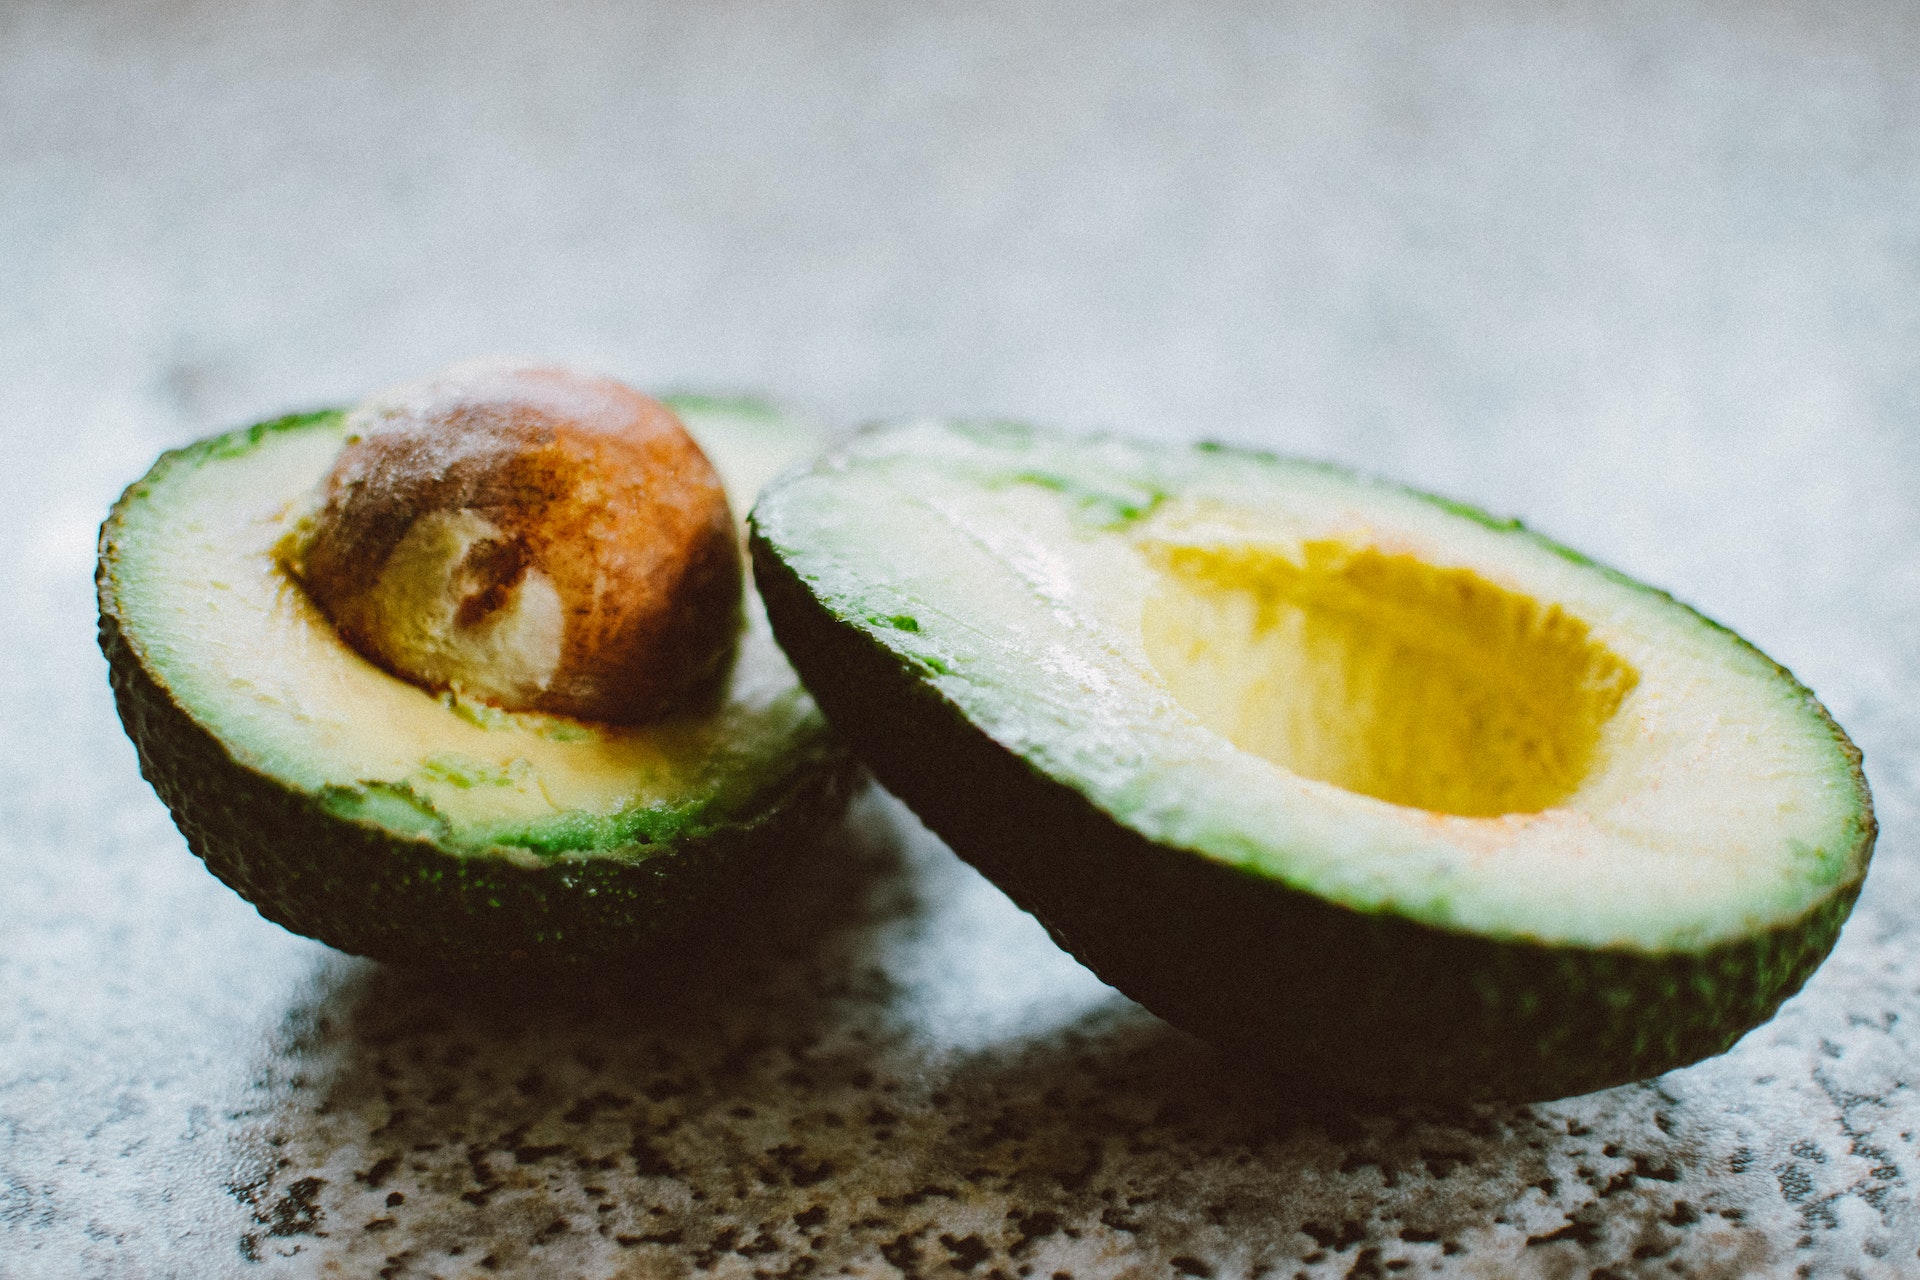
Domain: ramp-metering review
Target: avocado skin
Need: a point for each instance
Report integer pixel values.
(372, 892)
(1325, 1000)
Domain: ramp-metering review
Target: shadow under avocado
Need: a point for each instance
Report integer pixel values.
(772, 1090)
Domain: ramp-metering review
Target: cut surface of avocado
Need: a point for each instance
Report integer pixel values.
(1284, 700)
(213, 642)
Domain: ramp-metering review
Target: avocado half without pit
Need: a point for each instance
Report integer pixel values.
(467, 676)
(1387, 795)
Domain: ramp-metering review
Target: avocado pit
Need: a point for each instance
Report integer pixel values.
(537, 538)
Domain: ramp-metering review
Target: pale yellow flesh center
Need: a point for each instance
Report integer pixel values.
(1427, 687)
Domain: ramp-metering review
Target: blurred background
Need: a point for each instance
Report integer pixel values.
(1647, 275)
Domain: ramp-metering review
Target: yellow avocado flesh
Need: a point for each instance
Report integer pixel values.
(1425, 687)
(238, 642)
(1344, 686)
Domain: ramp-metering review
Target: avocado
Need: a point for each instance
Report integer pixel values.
(431, 828)
(1385, 795)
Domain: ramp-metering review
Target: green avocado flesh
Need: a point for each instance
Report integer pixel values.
(1395, 796)
(363, 810)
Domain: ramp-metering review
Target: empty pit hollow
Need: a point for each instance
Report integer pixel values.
(1424, 686)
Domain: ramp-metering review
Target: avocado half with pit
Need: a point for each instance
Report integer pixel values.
(1396, 797)
(352, 806)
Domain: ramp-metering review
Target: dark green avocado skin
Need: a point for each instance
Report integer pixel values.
(371, 892)
(1317, 998)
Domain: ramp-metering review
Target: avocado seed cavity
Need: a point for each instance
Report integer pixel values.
(1423, 686)
(538, 538)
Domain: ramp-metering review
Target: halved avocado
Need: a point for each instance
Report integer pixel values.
(1393, 796)
(362, 810)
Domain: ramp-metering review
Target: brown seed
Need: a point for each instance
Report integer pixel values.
(543, 539)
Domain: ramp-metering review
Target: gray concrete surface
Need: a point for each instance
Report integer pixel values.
(1648, 275)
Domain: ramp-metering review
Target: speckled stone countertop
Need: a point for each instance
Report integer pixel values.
(1647, 275)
